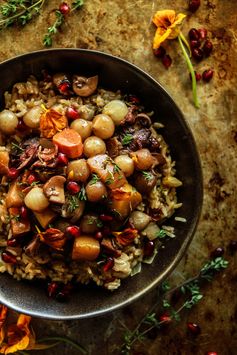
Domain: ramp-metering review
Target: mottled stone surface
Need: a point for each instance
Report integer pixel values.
(123, 28)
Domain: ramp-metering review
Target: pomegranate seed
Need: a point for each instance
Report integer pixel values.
(13, 173)
(72, 113)
(197, 75)
(73, 187)
(64, 8)
(72, 231)
(207, 75)
(165, 318)
(106, 218)
(64, 87)
(98, 235)
(211, 353)
(194, 328)
(166, 61)
(203, 33)
(193, 34)
(233, 246)
(109, 264)
(21, 126)
(197, 54)
(24, 212)
(195, 43)
(159, 52)
(217, 252)
(133, 99)
(12, 242)
(207, 48)
(31, 178)
(8, 257)
(194, 5)
(148, 248)
(52, 288)
(62, 159)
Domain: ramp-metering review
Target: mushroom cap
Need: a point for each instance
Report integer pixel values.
(83, 86)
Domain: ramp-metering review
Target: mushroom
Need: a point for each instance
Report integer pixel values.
(59, 78)
(54, 189)
(83, 86)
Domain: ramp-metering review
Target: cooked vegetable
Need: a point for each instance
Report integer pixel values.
(171, 181)
(36, 200)
(69, 142)
(89, 223)
(107, 170)
(103, 126)
(125, 163)
(19, 225)
(117, 110)
(32, 117)
(151, 231)
(78, 170)
(54, 189)
(8, 122)
(85, 248)
(145, 181)
(94, 146)
(83, 127)
(83, 86)
(95, 191)
(86, 112)
(45, 217)
(143, 159)
(51, 122)
(139, 220)
(4, 161)
(15, 197)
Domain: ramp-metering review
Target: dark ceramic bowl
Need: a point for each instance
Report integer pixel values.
(114, 73)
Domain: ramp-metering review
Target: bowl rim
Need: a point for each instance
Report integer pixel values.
(199, 193)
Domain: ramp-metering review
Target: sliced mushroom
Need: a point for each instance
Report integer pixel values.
(54, 189)
(59, 78)
(83, 86)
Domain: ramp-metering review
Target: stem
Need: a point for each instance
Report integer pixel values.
(186, 43)
(65, 340)
(191, 70)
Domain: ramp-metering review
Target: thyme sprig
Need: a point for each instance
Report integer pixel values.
(190, 290)
(19, 12)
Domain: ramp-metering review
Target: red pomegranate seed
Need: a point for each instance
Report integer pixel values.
(197, 54)
(52, 288)
(64, 87)
(24, 212)
(13, 173)
(165, 318)
(148, 248)
(233, 246)
(197, 75)
(195, 43)
(72, 113)
(99, 235)
(159, 52)
(207, 48)
(133, 99)
(194, 328)
(12, 242)
(31, 178)
(73, 187)
(166, 61)
(21, 126)
(109, 264)
(218, 252)
(202, 32)
(211, 353)
(8, 257)
(106, 218)
(64, 8)
(207, 75)
(193, 34)
(62, 159)
(194, 5)
(72, 231)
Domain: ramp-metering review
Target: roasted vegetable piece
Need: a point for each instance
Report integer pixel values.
(95, 191)
(53, 237)
(36, 199)
(4, 161)
(85, 248)
(139, 220)
(69, 142)
(123, 200)
(107, 170)
(52, 122)
(89, 223)
(145, 181)
(83, 86)
(19, 225)
(54, 189)
(143, 159)
(78, 170)
(15, 197)
(45, 217)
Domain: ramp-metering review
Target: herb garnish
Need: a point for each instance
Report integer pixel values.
(16, 149)
(127, 138)
(148, 176)
(95, 179)
(82, 194)
(190, 290)
(161, 234)
(73, 203)
(110, 179)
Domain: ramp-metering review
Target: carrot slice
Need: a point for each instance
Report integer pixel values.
(69, 142)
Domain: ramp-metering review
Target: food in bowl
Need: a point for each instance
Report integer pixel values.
(87, 182)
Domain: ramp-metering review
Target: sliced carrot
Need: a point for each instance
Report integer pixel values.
(69, 142)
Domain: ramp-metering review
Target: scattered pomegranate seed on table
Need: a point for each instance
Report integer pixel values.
(194, 328)
(8, 257)
(197, 54)
(207, 75)
(165, 318)
(13, 173)
(202, 33)
(159, 52)
(194, 5)
(233, 246)
(72, 231)
(73, 187)
(193, 34)
(62, 159)
(72, 113)
(167, 61)
(64, 8)
(197, 75)
(195, 43)
(207, 48)
(218, 252)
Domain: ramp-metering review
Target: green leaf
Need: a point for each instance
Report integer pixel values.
(166, 304)
(127, 139)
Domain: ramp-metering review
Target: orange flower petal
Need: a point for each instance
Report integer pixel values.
(3, 315)
(53, 237)
(164, 18)
(160, 36)
(126, 237)
(52, 122)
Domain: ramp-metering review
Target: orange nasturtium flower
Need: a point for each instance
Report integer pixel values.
(168, 26)
(51, 122)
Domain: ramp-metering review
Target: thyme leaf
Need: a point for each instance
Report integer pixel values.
(127, 139)
(95, 179)
(52, 30)
(148, 176)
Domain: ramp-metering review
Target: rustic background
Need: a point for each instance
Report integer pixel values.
(124, 28)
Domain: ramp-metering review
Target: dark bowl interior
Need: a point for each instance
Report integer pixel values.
(114, 74)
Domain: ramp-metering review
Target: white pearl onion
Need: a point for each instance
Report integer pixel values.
(32, 117)
(36, 200)
(117, 110)
(8, 122)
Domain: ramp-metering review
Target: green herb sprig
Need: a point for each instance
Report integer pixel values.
(127, 139)
(190, 290)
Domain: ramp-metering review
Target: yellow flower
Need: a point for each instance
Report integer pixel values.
(168, 26)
